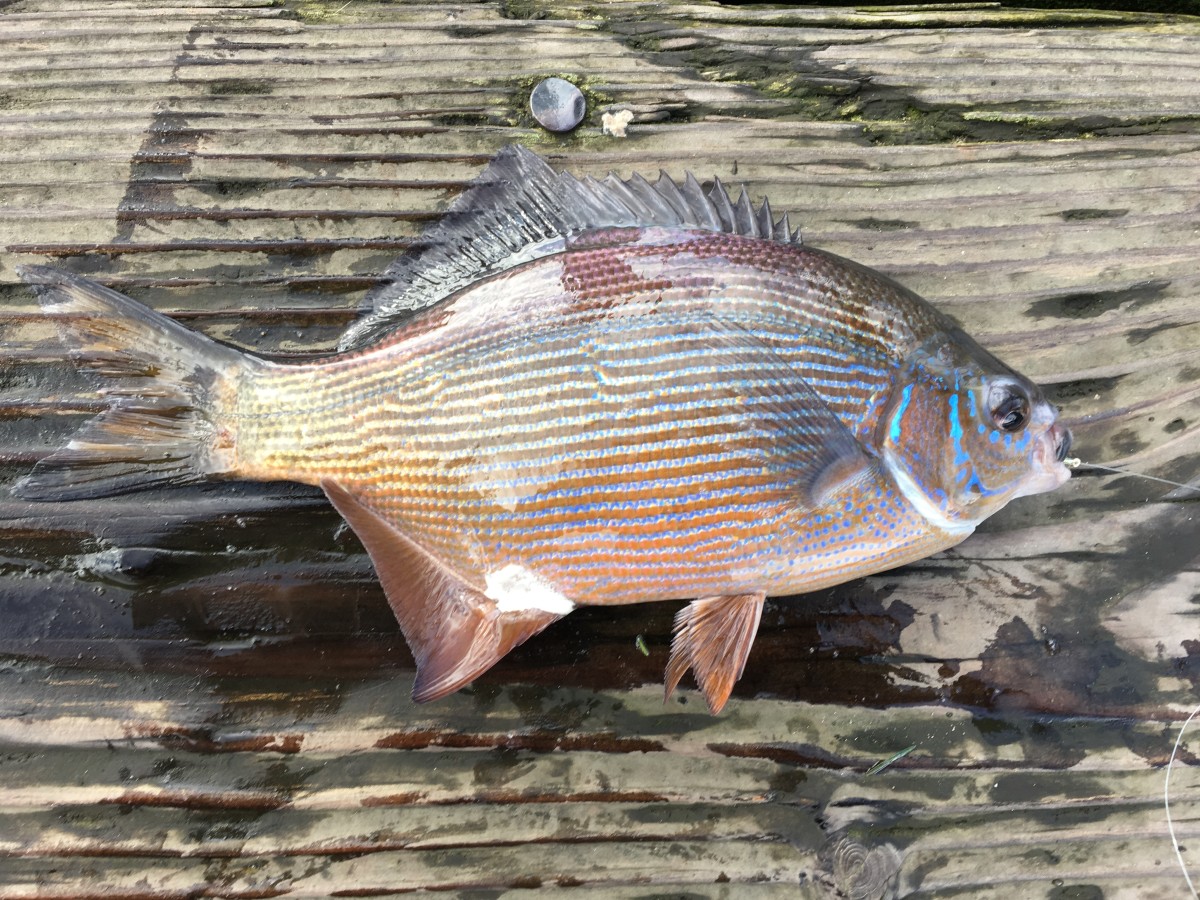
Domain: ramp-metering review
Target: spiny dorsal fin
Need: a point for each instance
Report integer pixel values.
(519, 209)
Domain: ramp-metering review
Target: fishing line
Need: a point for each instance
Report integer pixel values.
(1075, 462)
(1167, 803)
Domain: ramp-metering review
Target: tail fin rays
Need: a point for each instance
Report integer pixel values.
(165, 386)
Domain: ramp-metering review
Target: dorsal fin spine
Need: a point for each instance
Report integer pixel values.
(766, 225)
(721, 205)
(669, 191)
(782, 230)
(747, 223)
(697, 201)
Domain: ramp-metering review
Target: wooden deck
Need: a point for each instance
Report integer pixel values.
(202, 692)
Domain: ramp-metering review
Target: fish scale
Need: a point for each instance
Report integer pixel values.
(612, 392)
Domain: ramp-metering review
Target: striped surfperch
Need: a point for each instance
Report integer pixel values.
(586, 392)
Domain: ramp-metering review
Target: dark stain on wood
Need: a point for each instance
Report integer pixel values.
(1095, 303)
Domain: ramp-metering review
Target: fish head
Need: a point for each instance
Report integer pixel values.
(969, 434)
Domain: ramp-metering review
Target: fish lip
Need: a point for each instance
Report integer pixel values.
(1061, 436)
(1048, 470)
(1052, 451)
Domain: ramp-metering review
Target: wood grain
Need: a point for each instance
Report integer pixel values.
(203, 691)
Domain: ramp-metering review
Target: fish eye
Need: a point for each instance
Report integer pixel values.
(1010, 408)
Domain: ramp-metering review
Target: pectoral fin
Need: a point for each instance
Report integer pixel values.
(455, 630)
(713, 637)
(810, 451)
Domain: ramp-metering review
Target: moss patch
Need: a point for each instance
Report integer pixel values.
(235, 86)
(807, 88)
(325, 12)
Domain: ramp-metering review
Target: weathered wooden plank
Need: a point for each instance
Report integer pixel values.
(202, 692)
(349, 786)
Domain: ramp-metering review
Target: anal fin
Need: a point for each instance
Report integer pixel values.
(713, 637)
(455, 631)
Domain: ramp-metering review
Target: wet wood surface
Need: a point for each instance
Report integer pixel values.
(203, 691)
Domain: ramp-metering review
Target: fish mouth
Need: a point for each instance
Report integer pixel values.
(1048, 470)
(1052, 451)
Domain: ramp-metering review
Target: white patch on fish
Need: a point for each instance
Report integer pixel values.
(516, 589)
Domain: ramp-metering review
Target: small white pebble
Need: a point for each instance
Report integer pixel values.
(615, 123)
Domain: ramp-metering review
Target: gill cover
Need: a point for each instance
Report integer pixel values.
(967, 434)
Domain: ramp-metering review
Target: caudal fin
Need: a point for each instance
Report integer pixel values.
(165, 386)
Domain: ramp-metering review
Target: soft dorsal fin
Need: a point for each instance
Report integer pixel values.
(519, 208)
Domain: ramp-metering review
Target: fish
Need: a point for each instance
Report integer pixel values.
(580, 391)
